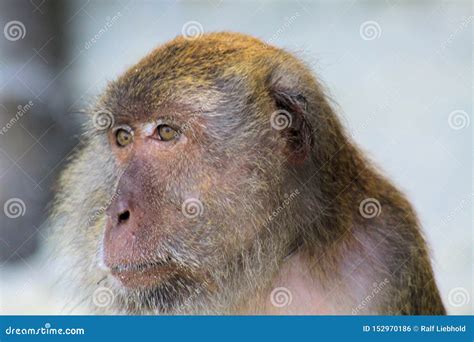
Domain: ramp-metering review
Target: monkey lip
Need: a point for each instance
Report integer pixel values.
(143, 275)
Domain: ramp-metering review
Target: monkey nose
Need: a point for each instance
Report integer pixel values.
(123, 216)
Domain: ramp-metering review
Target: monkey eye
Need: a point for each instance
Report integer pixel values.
(123, 137)
(166, 133)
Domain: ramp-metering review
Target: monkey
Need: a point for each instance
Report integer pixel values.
(215, 177)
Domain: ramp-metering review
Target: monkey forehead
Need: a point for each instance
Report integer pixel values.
(200, 73)
(179, 104)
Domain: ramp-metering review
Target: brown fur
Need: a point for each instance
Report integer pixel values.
(224, 88)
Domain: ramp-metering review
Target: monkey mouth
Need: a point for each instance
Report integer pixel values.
(144, 275)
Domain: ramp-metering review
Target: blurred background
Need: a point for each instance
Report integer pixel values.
(400, 73)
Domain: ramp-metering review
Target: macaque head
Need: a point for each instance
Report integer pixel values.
(206, 138)
(214, 170)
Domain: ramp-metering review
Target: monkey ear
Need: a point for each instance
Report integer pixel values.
(291, 119)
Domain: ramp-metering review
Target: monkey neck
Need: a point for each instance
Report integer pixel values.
(294, 290)
(315, 268)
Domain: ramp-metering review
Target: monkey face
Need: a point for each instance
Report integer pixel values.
(200, 165)
(176, 195)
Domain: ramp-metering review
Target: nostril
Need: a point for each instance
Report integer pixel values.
(124, 216)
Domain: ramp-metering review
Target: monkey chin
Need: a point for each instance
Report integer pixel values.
(155, 289)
